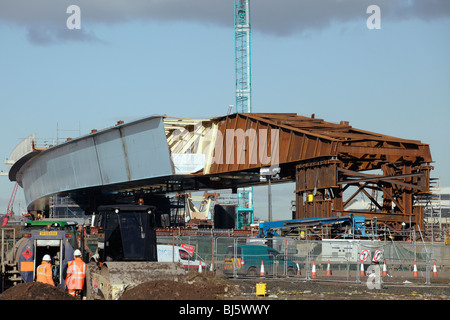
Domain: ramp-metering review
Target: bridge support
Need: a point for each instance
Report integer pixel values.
(392, 195)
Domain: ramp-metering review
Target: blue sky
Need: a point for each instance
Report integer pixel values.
(138, 58)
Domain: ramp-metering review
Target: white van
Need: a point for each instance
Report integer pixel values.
(166, 254)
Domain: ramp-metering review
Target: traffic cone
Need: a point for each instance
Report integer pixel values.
(200, 269)
(434, 270)
(298, 267)
(384, 269)
(361, 271)
(328, 269)
(415, 274)
(262, 273)
(313, 271)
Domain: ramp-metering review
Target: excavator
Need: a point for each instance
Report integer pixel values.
(127, 252)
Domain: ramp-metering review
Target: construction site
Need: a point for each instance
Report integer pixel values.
(162, 208)
(98, 190)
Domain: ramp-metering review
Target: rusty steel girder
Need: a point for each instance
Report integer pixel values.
(326, 159)
(320, 188)
(252, 141)
(247, 140)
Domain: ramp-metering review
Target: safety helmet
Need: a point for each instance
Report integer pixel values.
(47, 258)
(77, 253)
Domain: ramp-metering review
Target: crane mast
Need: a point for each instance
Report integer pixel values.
(242, 55)
(243, 95)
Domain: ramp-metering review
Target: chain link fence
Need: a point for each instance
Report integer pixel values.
(328, 260)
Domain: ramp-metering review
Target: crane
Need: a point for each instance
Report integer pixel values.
(10, 205)
(242, 51)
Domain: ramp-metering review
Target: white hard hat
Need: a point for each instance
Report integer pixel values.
(77, 253)
(47, 258)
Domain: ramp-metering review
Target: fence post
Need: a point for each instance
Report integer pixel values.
(212, 254)
(308, 256)
(234, 257)
(358, 277)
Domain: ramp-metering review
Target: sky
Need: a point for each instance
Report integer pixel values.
(132, 59)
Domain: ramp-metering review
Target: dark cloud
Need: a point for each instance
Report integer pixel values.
(277, 17)
(50, 34)
(287, 17)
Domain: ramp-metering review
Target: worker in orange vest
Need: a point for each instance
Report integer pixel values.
(44, 271)
(76, 275)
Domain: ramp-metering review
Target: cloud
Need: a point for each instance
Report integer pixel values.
(292, 16)
(50, 34)
(44, 18)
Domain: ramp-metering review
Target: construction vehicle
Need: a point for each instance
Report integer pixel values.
(127, 252)
(55, 238)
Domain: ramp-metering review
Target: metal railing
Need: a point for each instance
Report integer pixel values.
(414, 262)
(341, 258)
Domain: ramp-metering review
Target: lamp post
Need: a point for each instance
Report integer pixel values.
(267, 174)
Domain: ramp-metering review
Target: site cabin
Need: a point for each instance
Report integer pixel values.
(339, 250)
(166, 253)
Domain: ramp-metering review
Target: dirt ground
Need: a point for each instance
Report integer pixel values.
(210, 288)
(287, 289)
(35, 291)
(196, 286)
(204, 286)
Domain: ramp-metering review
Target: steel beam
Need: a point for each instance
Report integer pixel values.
(323, 158)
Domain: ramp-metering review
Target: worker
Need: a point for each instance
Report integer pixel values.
(44, 271)
(76, 275)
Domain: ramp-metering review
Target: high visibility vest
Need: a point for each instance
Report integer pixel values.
(76, 274)
(44, 273)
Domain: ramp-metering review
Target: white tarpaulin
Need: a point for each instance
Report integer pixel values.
(185, 163)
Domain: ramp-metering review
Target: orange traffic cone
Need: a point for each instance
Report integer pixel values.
(434, 270)
(313, 271)
(361, 271)
(328, 269)
(200, 269)
(415, 274)
(298, 267)
(262, 273)
(384, 269)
